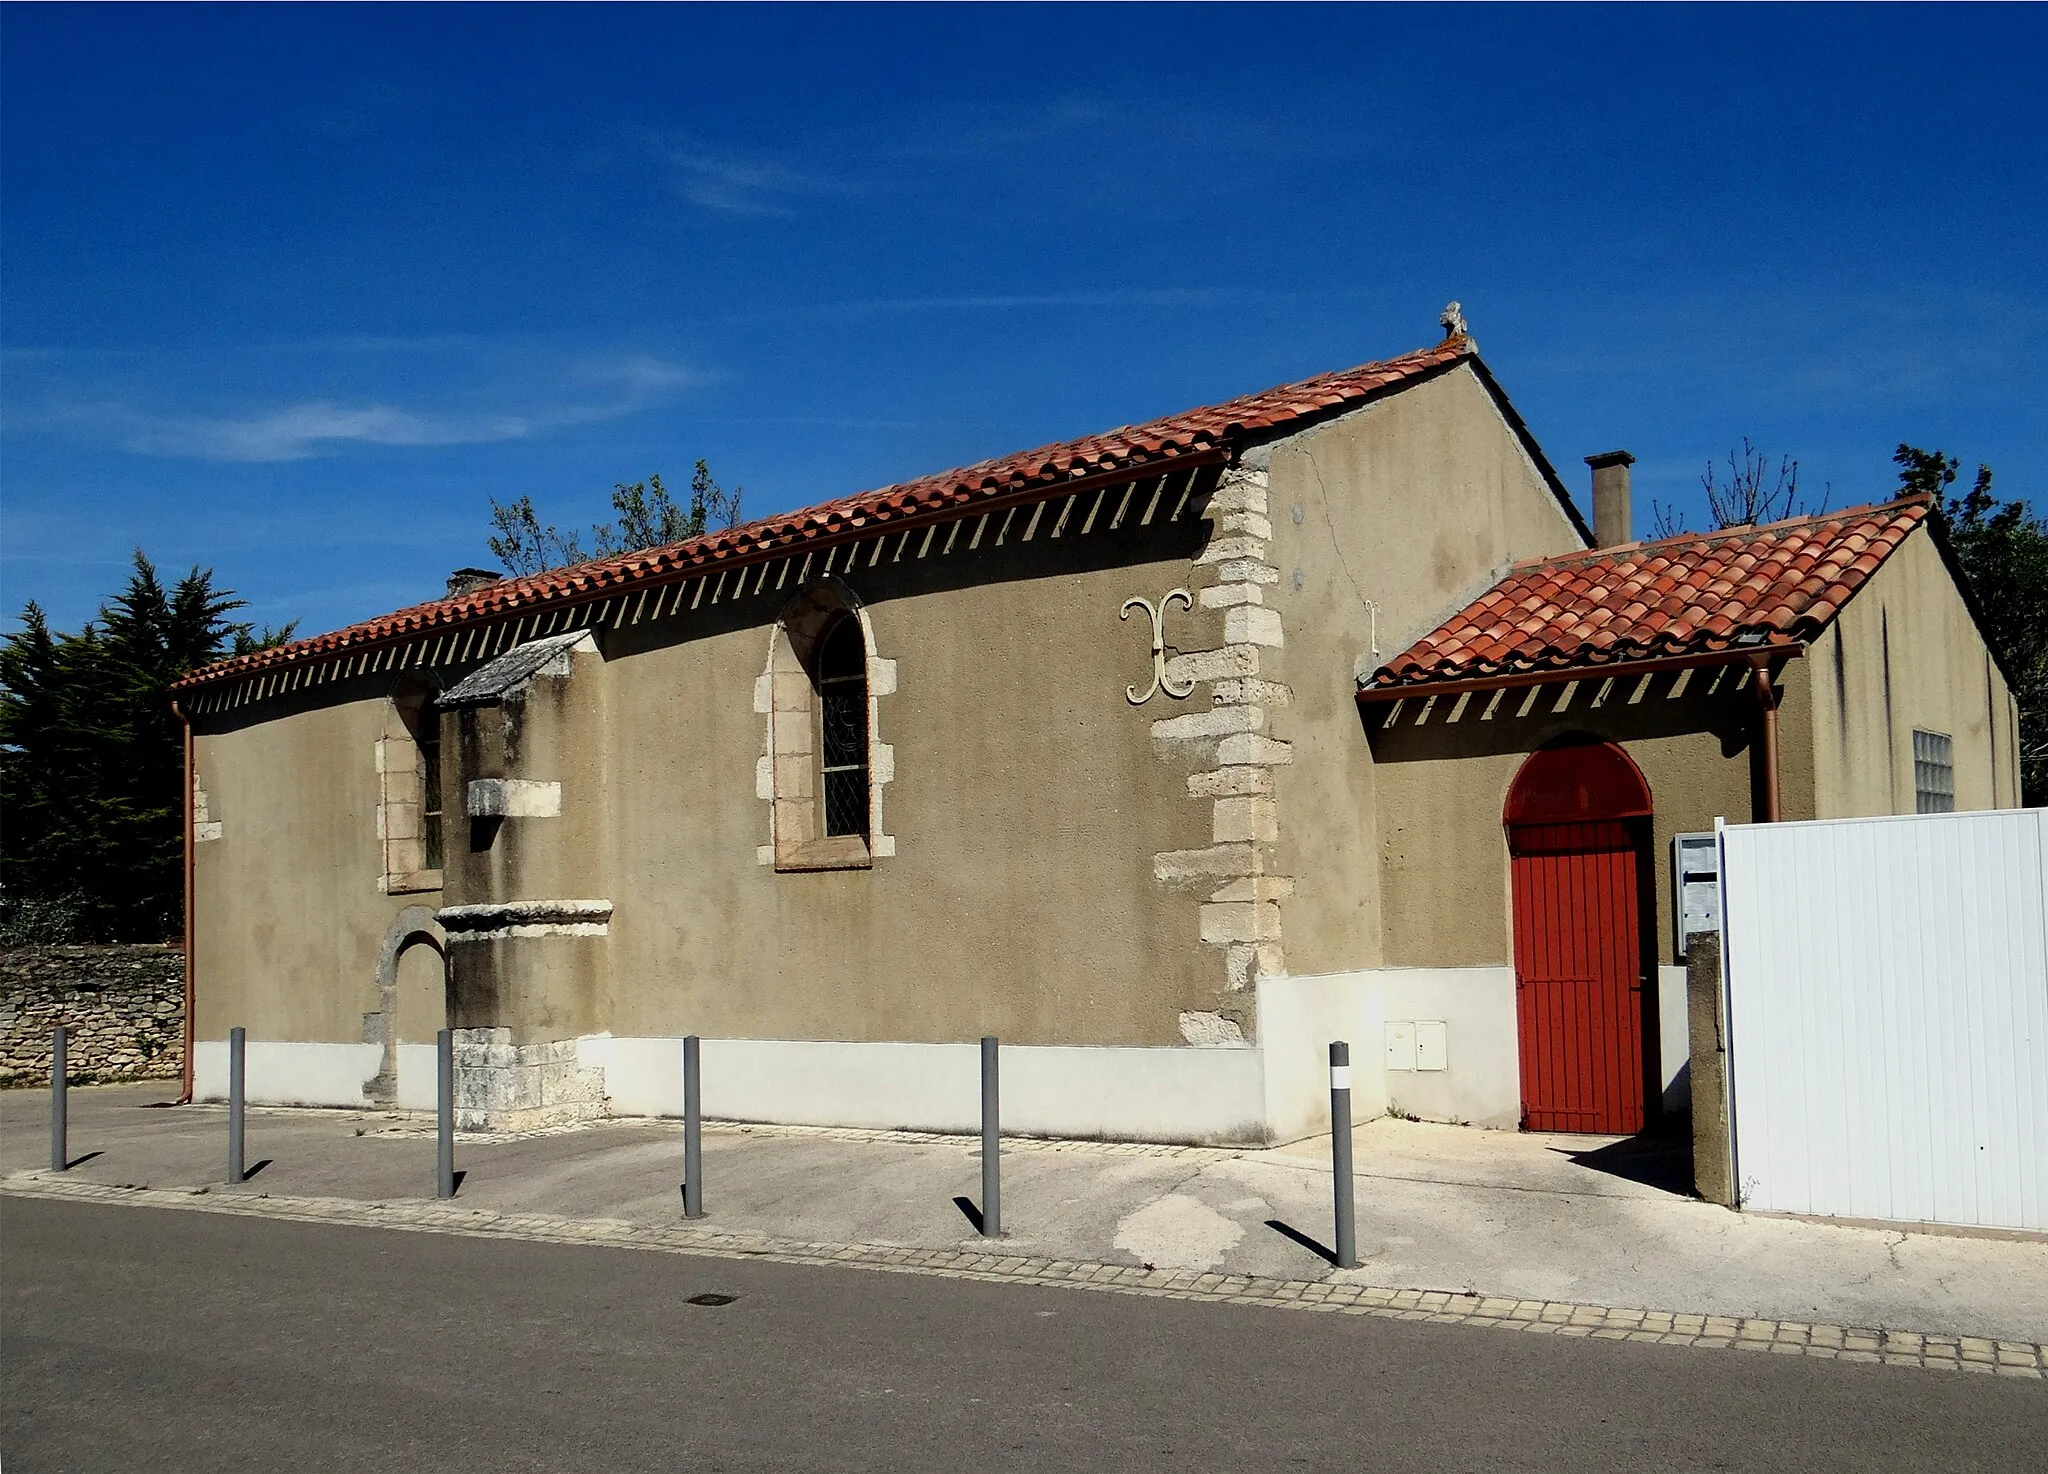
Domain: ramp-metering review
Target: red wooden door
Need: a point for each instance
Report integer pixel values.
(1578, 976)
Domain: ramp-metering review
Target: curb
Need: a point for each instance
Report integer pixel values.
(1340, 1296)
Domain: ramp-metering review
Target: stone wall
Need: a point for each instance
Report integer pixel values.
(125, 1007)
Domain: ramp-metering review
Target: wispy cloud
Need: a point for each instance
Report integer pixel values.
(734, 183)
(587, 391)
(298, 431)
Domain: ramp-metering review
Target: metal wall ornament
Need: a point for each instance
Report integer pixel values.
(1158, 617)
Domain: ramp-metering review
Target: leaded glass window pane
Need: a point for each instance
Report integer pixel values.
(843, 728)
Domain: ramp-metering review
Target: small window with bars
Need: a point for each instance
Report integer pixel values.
(842, 681)
(1934, 773)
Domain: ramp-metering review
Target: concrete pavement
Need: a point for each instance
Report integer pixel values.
(1496, 1214)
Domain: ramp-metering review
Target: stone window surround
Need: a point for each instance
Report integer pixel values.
(401, 796)
(787, 777)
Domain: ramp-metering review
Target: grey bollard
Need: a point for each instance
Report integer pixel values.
(444, 1049)
(60, 1110)
(991, 1142)
(238, 1058)
(1340, 1154)
(693, 1131)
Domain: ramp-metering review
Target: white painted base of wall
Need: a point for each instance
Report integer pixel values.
(1174, 1095)
(1276, 1091)
(291, 1074)
(418, 1077)
(1673, 1047)
(1482, 1082)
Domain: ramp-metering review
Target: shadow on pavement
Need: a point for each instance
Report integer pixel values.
(1649, 1157)
(1314, 1246)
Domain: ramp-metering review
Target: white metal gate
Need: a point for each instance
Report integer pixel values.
(1887, 994)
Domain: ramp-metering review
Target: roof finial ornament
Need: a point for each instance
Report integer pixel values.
(1453, 320)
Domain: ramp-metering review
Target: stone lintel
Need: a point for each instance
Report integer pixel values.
(1252, 748)
(1239, 493)
(1217, 862)
(1224, 595)
(1245, 818)
(1250, 524)
(1251, 569)
(1250, 625)
(1232, 549)
(1224, 781)
(1255, 888)
(1240, 921)
(1213, 665)
(1218, 721)
(1250, 691)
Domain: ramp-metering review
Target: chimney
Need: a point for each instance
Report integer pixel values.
(1611, 522)
(464, 580)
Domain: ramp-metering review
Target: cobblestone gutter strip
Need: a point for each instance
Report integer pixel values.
(1337, 1296)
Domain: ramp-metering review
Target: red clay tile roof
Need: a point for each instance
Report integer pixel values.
(1194, 437)
(1691, 595)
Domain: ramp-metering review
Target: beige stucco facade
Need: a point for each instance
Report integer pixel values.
(1905, 655)
(1121, 794)
(1384, 521)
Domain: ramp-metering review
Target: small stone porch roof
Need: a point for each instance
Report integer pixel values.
(1696, 596)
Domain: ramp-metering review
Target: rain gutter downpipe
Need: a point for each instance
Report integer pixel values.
(1767, 698)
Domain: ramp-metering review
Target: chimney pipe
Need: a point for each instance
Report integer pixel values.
(1611, 523)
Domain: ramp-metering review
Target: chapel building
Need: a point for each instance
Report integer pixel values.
(1166, 755)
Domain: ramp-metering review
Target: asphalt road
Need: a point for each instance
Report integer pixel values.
(139, 1339)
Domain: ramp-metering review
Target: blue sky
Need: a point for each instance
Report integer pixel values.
(292, 292)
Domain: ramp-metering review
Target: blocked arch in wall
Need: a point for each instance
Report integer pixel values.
(1578, 829)
(411, 930)
(789, 774)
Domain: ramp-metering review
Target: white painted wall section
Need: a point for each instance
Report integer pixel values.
(1298, 1019)
(419, 1082)
(1174, 1094)
(1674, 1047)
(289, 1074)
(1887, 989)
(1481, 1084)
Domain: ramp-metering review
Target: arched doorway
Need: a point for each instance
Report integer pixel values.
(1578, 843)
(412, 1003)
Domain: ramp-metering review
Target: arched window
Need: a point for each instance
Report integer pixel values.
(842, 680)
(823, 770)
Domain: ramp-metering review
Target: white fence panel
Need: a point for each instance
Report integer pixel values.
(1887, 996)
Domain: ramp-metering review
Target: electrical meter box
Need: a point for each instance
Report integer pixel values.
(1696, 883)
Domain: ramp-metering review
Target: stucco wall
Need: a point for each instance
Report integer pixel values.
(1415, 503)
(1905, 654)
(290, 919)
(1442, 786)
(1027, 804)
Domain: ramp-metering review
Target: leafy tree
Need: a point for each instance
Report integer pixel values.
(648, 517)
(92, 759)
(2003, 549)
